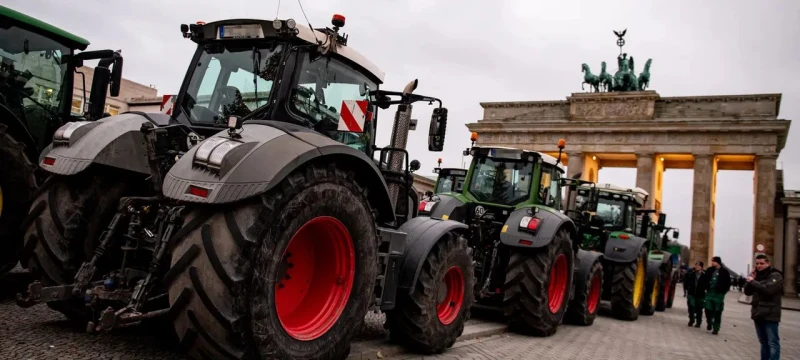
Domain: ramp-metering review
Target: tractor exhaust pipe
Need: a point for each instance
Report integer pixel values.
(402, 121)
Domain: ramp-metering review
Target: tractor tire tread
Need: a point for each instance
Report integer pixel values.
(18, 183)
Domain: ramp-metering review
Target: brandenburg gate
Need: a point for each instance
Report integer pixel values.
(619, 123)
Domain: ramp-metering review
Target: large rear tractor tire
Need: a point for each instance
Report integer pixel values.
(627, 287)
(582, 309)
(64, 226)
(537, 287)
(289, 275)
(664, 288)
(17, 187)
(433, 316)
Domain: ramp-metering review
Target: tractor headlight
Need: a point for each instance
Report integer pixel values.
(205, 149)
(215, 160)
(212, 151)
(64, 133)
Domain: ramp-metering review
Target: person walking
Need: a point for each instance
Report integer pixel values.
(716, 282)
(765, 285)
(694, 298)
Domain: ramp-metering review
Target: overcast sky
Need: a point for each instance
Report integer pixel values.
(466, 52)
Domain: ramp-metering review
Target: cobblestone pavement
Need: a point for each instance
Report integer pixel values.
(40, 333)
(662, 336)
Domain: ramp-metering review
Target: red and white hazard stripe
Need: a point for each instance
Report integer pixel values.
(353, 115)
(168, 103)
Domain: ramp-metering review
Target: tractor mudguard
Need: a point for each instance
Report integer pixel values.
(115, 141)
(623, 250)
(269, 152)
(446, 208)
(422, 233)
(584, 264)
(550, 222)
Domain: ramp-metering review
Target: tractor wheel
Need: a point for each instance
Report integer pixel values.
(582, 309)
(627, 287)
(17, 187)
(671, 297)
(664, 289)
(537, 287)
(286, 275)
(651, 296)
(64, 225)
(433, 316)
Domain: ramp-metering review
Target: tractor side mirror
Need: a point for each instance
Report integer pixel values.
(437, 129)
(428, 193)
(116, 75)
(593, 193)
(662, 219)
(415, 165)
(676, 234)
(97, 99)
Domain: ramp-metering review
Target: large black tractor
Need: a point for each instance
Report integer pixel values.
(254, 218)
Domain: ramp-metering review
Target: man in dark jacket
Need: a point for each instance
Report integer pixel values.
(765, 285)
(716, 282)
(694, 298)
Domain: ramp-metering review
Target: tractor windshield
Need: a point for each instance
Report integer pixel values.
(31, 76)
(231, 80)
(616, 214)
(330, 95)
(501, 181)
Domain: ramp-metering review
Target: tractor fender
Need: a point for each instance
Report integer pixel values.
(550, 223)
(582, 267)
(115, 141)
(18, 130)
(623, 250)
(268, 153)
(422, 233)
(653, 270)
(447, 207)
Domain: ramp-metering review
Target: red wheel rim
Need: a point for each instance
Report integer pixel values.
(558, 283)
(315, 278)
(449, 308)
(667, 285)
(594, 294)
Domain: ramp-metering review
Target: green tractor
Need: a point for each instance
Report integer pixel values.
(37, 66)
(450, 180)
(521, 242)
(636, 267)
(668, 253)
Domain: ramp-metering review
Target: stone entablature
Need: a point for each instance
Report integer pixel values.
(637, 106)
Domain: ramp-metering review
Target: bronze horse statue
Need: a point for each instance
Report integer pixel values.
(589, 78)
(606, 81)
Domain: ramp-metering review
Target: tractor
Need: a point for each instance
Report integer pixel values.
(665, 252)
(449, 180)
(634, 262)
(521, 242)
(258, 219)
(38, 63)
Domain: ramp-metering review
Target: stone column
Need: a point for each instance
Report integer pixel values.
(702, 232)
(575, 164)
(649, 170)
(790, 257)
(765, 184)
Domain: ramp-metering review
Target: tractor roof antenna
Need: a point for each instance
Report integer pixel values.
(313, 32)
(279, 10)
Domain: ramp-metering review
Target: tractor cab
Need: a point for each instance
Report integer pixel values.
(449, 180)
(607, 210)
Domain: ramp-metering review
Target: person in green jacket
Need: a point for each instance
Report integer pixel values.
(716, 282)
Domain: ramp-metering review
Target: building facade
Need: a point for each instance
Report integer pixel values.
(132, 95)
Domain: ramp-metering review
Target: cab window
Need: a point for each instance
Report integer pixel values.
(549, 188)
(329, 91)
